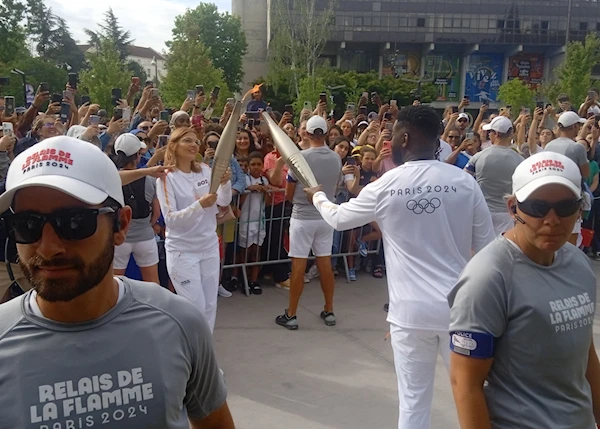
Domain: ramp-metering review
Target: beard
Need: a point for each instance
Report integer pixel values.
(87, 276)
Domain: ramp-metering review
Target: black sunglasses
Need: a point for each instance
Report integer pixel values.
(71, 224)
(539, 209)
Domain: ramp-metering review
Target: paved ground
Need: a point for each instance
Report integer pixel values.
(317, 377)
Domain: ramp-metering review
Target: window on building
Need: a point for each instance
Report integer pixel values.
(367, 21)
(545, 25)
(420, 22)
(583, 26)
(358, 21)
(500, 23)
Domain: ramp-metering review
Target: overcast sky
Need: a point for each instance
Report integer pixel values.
(149, 21)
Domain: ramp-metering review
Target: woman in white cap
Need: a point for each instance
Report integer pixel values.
(140, 195)
(522, 313)
(180, 119)
(190, 210)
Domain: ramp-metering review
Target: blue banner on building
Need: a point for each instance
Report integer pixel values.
(484, 77)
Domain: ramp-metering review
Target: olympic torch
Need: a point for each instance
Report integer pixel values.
(225, 148)
(290, 153)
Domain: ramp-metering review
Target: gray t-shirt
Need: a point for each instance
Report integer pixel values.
(147, 363)
(493, 170)
(140, 229)
(327, 168)
(541, 320)
(567, 147)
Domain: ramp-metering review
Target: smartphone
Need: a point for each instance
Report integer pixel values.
(65, 109)
(591, 95)
(126, 114)
(387, 116)
(55, 98)
(197, 120)
(191, 94)
(365, 95)
(527, 110)
(539, 105)
(590, 115)
(394, 103)
(118, 113)
(350, 160)
(200, 89)
(136, 102)
(162, 140)
(289, 109)
(387, 144)
(213, 144)
(454, 109)
(148, 83)
(389, 126)
(164, 115)
(350, 107)
(363, 110)
(486, 102)
(231, 101)
(116, 93)
(73, 78)
(251, 123)
(469, 135)
(44, 87)
(308, 105)
(94, 119)
(85, 99)
(154, 93)
(9, 106)
(215, 92)
(7, 128)
(467, 98)
(323, 97)
(67, 95)
(135, 80)
(596, 121)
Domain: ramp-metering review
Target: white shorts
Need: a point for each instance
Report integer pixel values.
(145, 254)
(310, 234)
(502, 222)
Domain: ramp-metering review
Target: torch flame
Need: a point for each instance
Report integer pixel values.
(254, 90)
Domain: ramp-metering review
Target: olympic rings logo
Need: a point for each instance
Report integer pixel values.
(424, 205)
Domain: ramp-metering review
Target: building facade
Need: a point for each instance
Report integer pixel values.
(464, 47)
(153, 63)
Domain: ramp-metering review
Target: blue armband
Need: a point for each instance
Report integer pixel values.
(470, 168)
(290, 179)
(473, 344)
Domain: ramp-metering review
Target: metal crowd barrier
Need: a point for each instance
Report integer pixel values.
(271, 220)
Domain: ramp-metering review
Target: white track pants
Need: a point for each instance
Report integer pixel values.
(195, 277)
(415, 356)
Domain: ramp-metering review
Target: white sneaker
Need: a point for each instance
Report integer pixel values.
(224, 292)
(313, 273)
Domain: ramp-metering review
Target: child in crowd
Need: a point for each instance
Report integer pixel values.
(367, 175)
(243, 161)
(252, 219)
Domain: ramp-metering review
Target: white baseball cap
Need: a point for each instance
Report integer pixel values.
(500, 124)
(463, 116)
(568, 119)
(129, 144)
(316, 123)
(66, 164)
(545, 168)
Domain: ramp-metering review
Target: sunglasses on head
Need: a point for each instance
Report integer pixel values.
(540, 209)
(71, 224)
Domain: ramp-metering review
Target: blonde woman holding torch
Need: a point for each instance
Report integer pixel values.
(190, 212)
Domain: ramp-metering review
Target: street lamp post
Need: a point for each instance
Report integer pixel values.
(24, 78)
(155, 64)
(569, 10)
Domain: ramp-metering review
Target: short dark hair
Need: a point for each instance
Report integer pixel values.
(422, 119)
(255, 155)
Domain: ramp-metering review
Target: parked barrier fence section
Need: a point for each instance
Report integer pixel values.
(259, 237)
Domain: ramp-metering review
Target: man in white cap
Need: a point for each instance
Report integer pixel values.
(569, 124)
(522, 313)
(308, 230)
(116, 352)
(462, 123)
(493, 168)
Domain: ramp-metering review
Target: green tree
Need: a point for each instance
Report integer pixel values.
(300, 31)
(106, 72)
(37, 70)
(12, 33)
(220, 32)
(517, 93)
(574, 74)
(189, 64)
(112, 31)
